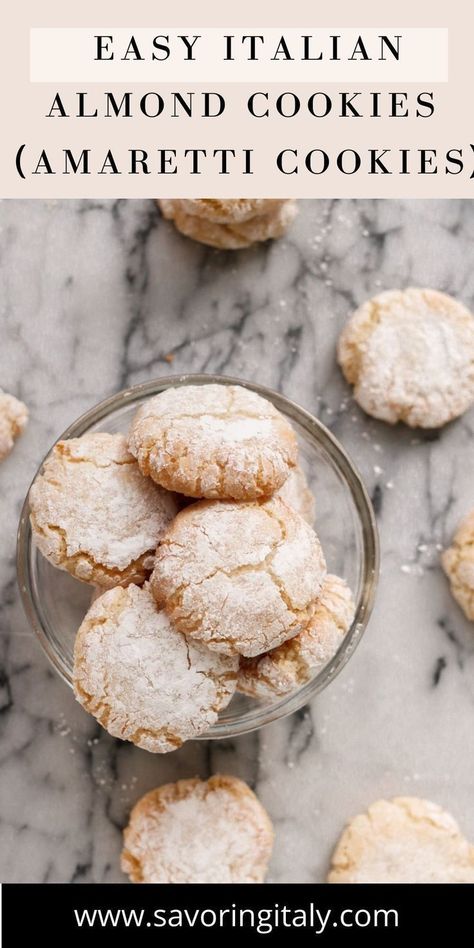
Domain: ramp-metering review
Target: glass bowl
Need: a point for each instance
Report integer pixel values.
(55, 603)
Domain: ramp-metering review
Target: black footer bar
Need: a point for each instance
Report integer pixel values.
(224, 915)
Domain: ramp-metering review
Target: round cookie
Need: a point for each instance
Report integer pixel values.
(237, 232)
(13, 419)
(241, 578)
(93, 513)
(405, 840)
(297, 494)
(226, 210)
(458, 564)
(296, 661)
(142, 680)
(214, 441)
(410, 356)
(198, 831)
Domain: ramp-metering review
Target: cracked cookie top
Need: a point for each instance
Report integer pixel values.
(95, 515)
(405, 840)
(410, 356)
(227, 210)
(198, 831)
(13, 419)
(141, 679)
(214, 441)
(241, 577)
(458, 564)
(230, 224)
(296, 661)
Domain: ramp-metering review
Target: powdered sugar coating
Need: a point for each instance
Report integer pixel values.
(240, 577)
(13, 420)
(141, 679)
(227, 210)
(297, 494)
(214, 441)
(410, 356)
(230, 225)
(95, 515)
(405, 840)
(458, 564)
(196, 831)
(296, 661)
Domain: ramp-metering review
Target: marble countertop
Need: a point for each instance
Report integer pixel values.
(97, 296)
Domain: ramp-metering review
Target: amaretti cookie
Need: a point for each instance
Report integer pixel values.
(198, 831)
(141, 679)
(296, 661)
(405, 840)
(458, 564)
(230, 224)
(95, 515)
(13, 420)
(240, 577)
(213, 441)
(410, 356)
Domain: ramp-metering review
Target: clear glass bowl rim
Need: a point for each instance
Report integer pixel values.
(259, 715)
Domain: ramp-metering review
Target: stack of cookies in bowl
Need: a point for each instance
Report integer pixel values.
(195, 530)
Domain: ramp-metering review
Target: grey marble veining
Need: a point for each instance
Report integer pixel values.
(96, 296)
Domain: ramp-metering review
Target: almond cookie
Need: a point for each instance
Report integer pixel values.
(93, 513)
(410, 356)
(296, 493)
(198, 831)
(141, 679)
(458, 564)
(405, 840)
(227, 210)
(230, 225)
(214, 441)
(13, 419)
(242, 578)
(296, 661)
